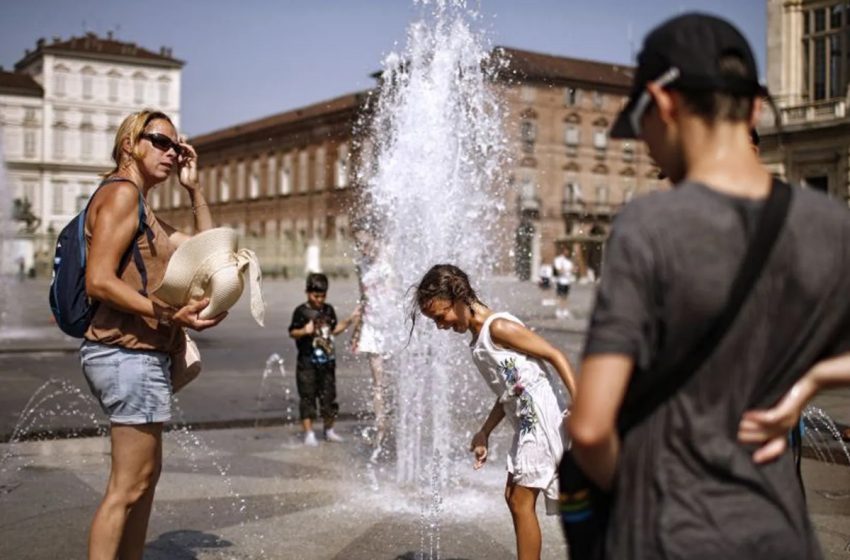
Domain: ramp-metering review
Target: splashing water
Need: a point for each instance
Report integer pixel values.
(434, 195)
(822, 435)
(274, 365)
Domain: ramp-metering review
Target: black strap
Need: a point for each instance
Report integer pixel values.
(761, 245)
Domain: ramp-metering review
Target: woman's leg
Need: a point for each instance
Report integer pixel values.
(522, 502)
(376, 364)
(121, 521)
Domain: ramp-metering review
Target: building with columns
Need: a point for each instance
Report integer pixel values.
(288, 181)
(808, 74)
(59, 111)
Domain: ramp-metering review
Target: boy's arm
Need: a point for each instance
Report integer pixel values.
(770, 427)
(300, 325)
(511, 334)
(593, 421)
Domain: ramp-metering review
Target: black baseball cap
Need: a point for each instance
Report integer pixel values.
(684, 53)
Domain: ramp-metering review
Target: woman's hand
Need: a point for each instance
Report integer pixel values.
(188, 316)
(479, 449)
(771, 427)
(188, 166)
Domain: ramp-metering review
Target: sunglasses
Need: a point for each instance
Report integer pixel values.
(162, 142)
(645, 99)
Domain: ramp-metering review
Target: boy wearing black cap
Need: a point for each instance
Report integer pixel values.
(688, 338)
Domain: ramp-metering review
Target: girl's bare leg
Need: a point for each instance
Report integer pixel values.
(376, 364)
(522, 502)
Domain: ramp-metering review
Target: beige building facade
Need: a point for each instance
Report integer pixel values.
(288, 182)
(808, 74)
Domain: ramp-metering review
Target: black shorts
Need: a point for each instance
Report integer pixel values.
(563, 290)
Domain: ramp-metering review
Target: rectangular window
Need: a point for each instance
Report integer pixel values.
(59, 83)
(820, 20)
(572, 136)
(58, 192)
(59, 143)
(835, 89)
(572, 97)
(598, 100)
(303, 168)
(320, 168)
(600, 139)
(29, 143)
(87, 86)
(164, 91)
(139, 90)
(820, 68)
(527, 93)
(225, 188)
(240, 180)
(341, 169)
(285, 179)
(254, 180)
(86, 142)
(113, 88)
(628, 152)
(602, 194)
(835, 13)
(271, 174)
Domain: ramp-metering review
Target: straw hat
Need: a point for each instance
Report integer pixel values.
(209, 265)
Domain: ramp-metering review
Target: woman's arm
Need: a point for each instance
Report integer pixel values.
(188, 176)
(770, 427)
(510, 334)
(113, 222)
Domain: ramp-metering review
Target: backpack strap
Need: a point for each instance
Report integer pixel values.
(133, 249)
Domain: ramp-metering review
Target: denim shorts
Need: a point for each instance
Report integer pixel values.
(132, 386)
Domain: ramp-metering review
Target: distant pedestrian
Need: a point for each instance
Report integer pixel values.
(716, 297)
(545, 276)
(313, 326)
(511, 358)
(127, 350)
(22, 268)
(371, 336)
(565, 275)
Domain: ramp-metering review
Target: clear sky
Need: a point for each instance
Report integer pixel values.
(253, 58)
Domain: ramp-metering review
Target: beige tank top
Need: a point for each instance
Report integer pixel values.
(135, 332)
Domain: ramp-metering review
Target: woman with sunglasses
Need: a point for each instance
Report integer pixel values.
(127, 351)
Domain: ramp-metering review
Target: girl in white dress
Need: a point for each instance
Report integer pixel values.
(511, 359)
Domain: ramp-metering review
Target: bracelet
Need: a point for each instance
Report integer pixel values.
(195, 208)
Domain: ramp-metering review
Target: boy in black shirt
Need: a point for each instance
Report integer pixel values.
(313, 327)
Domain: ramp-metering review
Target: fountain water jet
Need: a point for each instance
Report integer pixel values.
(434, 189)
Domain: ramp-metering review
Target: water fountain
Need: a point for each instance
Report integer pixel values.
(274, 368)
(434, 191)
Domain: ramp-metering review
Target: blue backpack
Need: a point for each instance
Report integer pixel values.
(69, 302)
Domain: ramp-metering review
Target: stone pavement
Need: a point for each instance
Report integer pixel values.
(257, 493)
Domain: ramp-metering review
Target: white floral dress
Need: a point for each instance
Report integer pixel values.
(530, 404)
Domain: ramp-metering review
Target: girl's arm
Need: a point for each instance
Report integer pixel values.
(480, 439)
(770, 427)
(511, 334)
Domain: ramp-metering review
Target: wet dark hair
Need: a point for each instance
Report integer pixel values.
(443, 281)
(721, 106)
(317, 282)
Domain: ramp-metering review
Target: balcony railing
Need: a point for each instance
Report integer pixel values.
(578, 208)
(810, 112)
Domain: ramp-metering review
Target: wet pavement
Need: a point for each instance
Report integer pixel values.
(252, 490)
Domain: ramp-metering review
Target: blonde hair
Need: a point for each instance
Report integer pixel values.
(132, 128)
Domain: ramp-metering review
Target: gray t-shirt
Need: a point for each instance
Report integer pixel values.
(685, 487)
